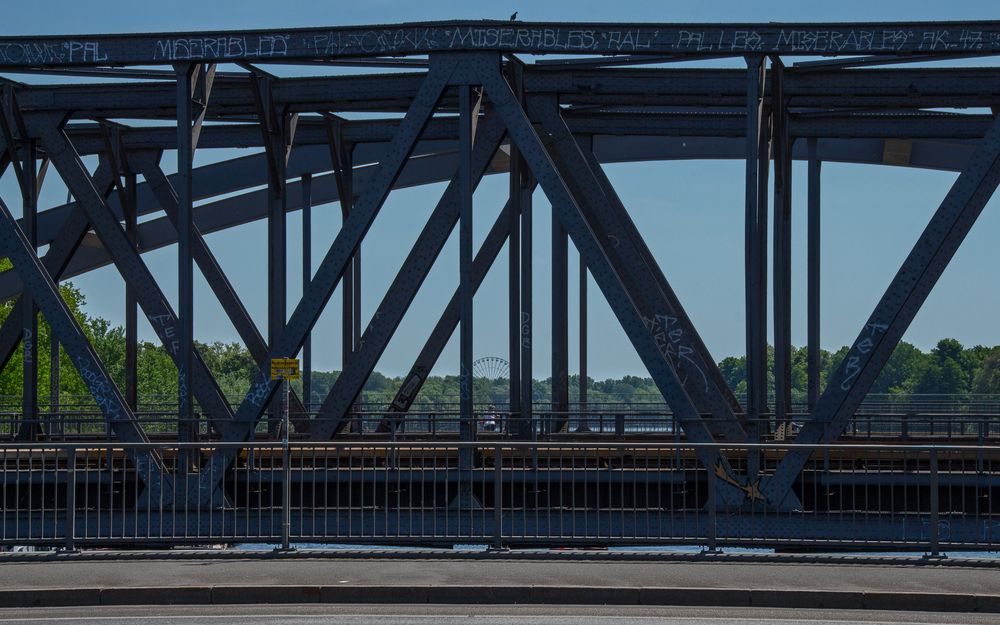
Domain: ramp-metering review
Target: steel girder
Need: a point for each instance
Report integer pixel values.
(311, 132)
(233, 100)
(676, 337)
(289, 340)
(223, 178)
(146, 164)
(235, 174)
(432, 239)
(755, 257)
(698, 347)
(183, 349)
(814, 238)
(132, 268)
(43, 290)
(907, 292)
(582, 38)
(445, 326)
(56, 259)
(465, 187)
(565, 203)
(229, 176)
(782, 256)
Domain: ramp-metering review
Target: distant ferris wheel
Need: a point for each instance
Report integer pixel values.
(490, 368)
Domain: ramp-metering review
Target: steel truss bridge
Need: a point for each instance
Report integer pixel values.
(548, 106)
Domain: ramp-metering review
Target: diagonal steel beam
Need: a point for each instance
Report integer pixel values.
(678, 342)
(132, 268)
(698, 346)
(848, 385)
(147, 165)
(56, 260)
(328, 274)
(446, 324)
(45, 293)
(433, 237)
(619, 298)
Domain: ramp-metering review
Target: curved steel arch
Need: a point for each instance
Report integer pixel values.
(431, 167)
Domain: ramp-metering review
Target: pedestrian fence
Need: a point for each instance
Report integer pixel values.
(501, 493)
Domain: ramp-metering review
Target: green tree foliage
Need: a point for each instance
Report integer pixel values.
(988, 377)
(949, 368)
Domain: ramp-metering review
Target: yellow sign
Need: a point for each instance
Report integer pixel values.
(285, 369)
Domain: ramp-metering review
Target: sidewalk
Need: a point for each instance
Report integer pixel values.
(128, 579)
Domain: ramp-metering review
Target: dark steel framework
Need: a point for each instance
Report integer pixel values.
(484, 101)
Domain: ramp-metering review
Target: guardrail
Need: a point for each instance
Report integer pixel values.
(916, 427)
(502, 493)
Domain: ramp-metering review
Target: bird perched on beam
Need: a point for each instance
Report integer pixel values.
(513, 16)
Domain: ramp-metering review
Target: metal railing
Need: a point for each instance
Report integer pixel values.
(501, 493)
(620, 425)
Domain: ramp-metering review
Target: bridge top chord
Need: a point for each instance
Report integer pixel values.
(573, 38)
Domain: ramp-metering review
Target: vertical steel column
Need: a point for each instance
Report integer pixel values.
(516, 79)
(755, 337)
(560, 326)
(514, 288)
(185, 260)
(349, 338)
(131, 305)
(277, 263)
(782, 248)
(306, 277)
(29, 413)
(813, 364)
(524, 203)
(467, 418)
(54, 362)
(55, 421)
(584, 424)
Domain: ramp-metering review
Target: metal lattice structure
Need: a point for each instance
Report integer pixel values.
(614, 95)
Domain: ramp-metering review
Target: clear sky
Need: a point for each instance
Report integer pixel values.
(691, 212)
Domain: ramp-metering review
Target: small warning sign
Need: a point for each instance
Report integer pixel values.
(285, 369)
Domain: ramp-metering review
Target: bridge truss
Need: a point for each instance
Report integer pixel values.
(460, 101)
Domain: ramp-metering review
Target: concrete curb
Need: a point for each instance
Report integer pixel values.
(485, 595)
(529, 555)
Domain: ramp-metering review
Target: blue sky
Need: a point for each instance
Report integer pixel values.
(691, 212)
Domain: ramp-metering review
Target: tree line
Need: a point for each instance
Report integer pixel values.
(948, 368)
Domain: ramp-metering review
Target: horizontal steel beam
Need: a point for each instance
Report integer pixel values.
(705, 88)
(310, 44)
(310, 132)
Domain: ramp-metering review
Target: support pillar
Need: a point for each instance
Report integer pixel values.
(467, 422)
(584, 422)
(131, 305)
(514, 291)
(29, 192)
(527, 428)
(351, 323)
(185, 260)
(782, 255)
(55, 420)
(55, 427)
(277, 264)
(757, 165)
(560, 327)
(306, 277)
(756, 255)
(814, 364)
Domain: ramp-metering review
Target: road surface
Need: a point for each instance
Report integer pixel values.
(479, 615)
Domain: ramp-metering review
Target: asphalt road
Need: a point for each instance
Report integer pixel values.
(729, 574)
(479, 615)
